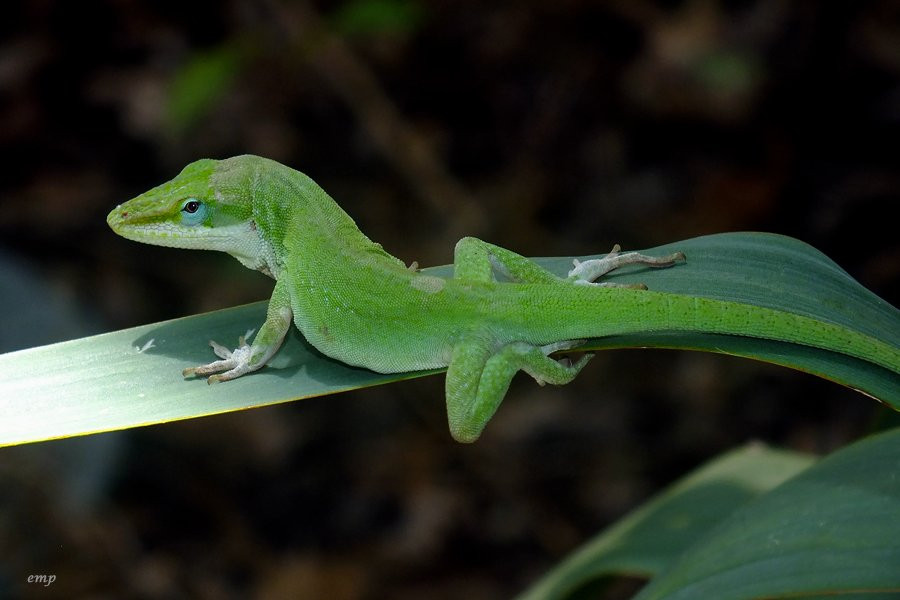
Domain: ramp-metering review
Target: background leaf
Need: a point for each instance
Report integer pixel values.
(102, 383)
(831, 530)
(652, 537)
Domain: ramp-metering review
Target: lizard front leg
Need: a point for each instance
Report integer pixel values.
(247, 358)
(479, 376)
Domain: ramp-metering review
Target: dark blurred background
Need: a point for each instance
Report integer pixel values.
(552, 128)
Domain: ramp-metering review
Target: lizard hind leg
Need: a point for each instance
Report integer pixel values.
(478, 379)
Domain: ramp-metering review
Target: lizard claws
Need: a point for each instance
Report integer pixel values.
(233, 363)
(587, 272)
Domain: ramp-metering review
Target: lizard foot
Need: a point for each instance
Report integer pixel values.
(587, 272)
(565, 362)
(232, 365)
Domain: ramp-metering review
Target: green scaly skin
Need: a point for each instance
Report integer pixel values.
(358, 304)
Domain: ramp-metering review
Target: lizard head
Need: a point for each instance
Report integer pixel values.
(208, 206)
(204, 207)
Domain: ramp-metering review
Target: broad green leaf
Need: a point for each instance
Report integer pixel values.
(832, 530)
(101, 383)
(653, 536)
(776, 272)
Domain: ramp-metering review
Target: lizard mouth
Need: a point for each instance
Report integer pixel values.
(144, 228)
(166, 234)
(149, 229)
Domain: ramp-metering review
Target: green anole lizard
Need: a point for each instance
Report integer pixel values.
(360, 305)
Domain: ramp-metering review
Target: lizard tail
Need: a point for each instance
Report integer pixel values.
(649, 311)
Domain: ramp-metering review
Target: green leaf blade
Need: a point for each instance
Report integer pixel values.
(776, 272)
(652, 537)
(833, 529)
(102, 383)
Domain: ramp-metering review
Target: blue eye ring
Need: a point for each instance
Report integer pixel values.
(193, 211)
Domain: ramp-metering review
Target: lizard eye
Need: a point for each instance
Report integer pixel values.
(193, 212)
